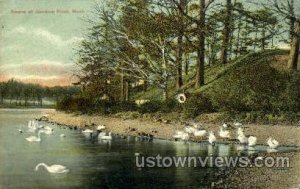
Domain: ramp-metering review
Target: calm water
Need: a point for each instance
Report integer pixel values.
(95, 164)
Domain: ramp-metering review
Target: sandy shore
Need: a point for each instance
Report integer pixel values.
(275, 178)
(286, 135)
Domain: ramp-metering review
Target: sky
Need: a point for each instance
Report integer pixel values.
(36, 46)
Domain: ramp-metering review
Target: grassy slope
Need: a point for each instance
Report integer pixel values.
(213, 75)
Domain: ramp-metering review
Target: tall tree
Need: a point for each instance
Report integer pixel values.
(226, 32)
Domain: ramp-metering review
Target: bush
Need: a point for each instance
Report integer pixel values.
(196, 105)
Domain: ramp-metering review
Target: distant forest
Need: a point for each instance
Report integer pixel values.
(17, 93)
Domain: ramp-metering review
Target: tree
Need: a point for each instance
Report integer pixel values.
(226, 32)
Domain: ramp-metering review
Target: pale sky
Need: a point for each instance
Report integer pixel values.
(38, 47)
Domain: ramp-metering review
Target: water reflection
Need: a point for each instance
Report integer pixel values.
(97, 163)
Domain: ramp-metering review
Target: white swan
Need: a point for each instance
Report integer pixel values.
(243, 139)
(34, 138)
(101, 127)
(212, 138)
(53, 168)
(105, 137)
(224, 133)
(87, 131)
(200, 133)
(238, 124)
(240, 131)
(252, 141)
(189, 130)
(62, 135)
(46, 131)
(272, 143)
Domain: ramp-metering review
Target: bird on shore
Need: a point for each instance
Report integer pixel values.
(273, 144)
(200, 133)
(252, 141)
(212, 138)
(53, 168)
(224, 133)
(242, 138)
(101, 127)
(34, 138)
(189, 130)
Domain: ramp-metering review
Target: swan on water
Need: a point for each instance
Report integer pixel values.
(20, 130)
(212, 138)
(252, 141)
(200, 133)
(34, 138)
(62, 135)
(87, 131)
(224, 133)
(105, 137)
(48, 132)
(272, 143)
(53, 168)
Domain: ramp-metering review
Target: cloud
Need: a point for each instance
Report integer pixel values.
(46, 35)
(44, 68)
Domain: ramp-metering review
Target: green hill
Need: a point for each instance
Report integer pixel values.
(254, 82)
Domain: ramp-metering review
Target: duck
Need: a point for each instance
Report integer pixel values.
(105, 137)
(20, 130)
(200, 133)
(224, 133)
(242, 138)
(212, 138)
(53, 168)
(273, 144)
(34, 138)
(252, 141)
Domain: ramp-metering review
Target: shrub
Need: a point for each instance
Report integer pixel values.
(196, 105)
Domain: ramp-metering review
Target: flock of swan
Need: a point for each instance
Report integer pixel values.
(34, 127)
(224, 133)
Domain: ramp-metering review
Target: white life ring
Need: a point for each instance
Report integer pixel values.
(181, 98)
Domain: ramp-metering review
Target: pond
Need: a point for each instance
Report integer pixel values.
(96, 163)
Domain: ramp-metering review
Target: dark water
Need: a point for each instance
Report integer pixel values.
(93, 163)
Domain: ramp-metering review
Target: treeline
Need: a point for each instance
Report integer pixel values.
(151, 42)
(17, 93)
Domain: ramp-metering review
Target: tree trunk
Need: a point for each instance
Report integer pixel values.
(226, 33)
(122, 86)
(201, 46)
(294, 53)
(126, 91)
(179, 81)
(186, 69)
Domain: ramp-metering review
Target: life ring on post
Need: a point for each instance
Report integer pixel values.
(181, 98)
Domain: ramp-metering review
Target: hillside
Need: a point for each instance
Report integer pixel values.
(215, 73)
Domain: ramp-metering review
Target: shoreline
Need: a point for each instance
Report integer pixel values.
(286, 135)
